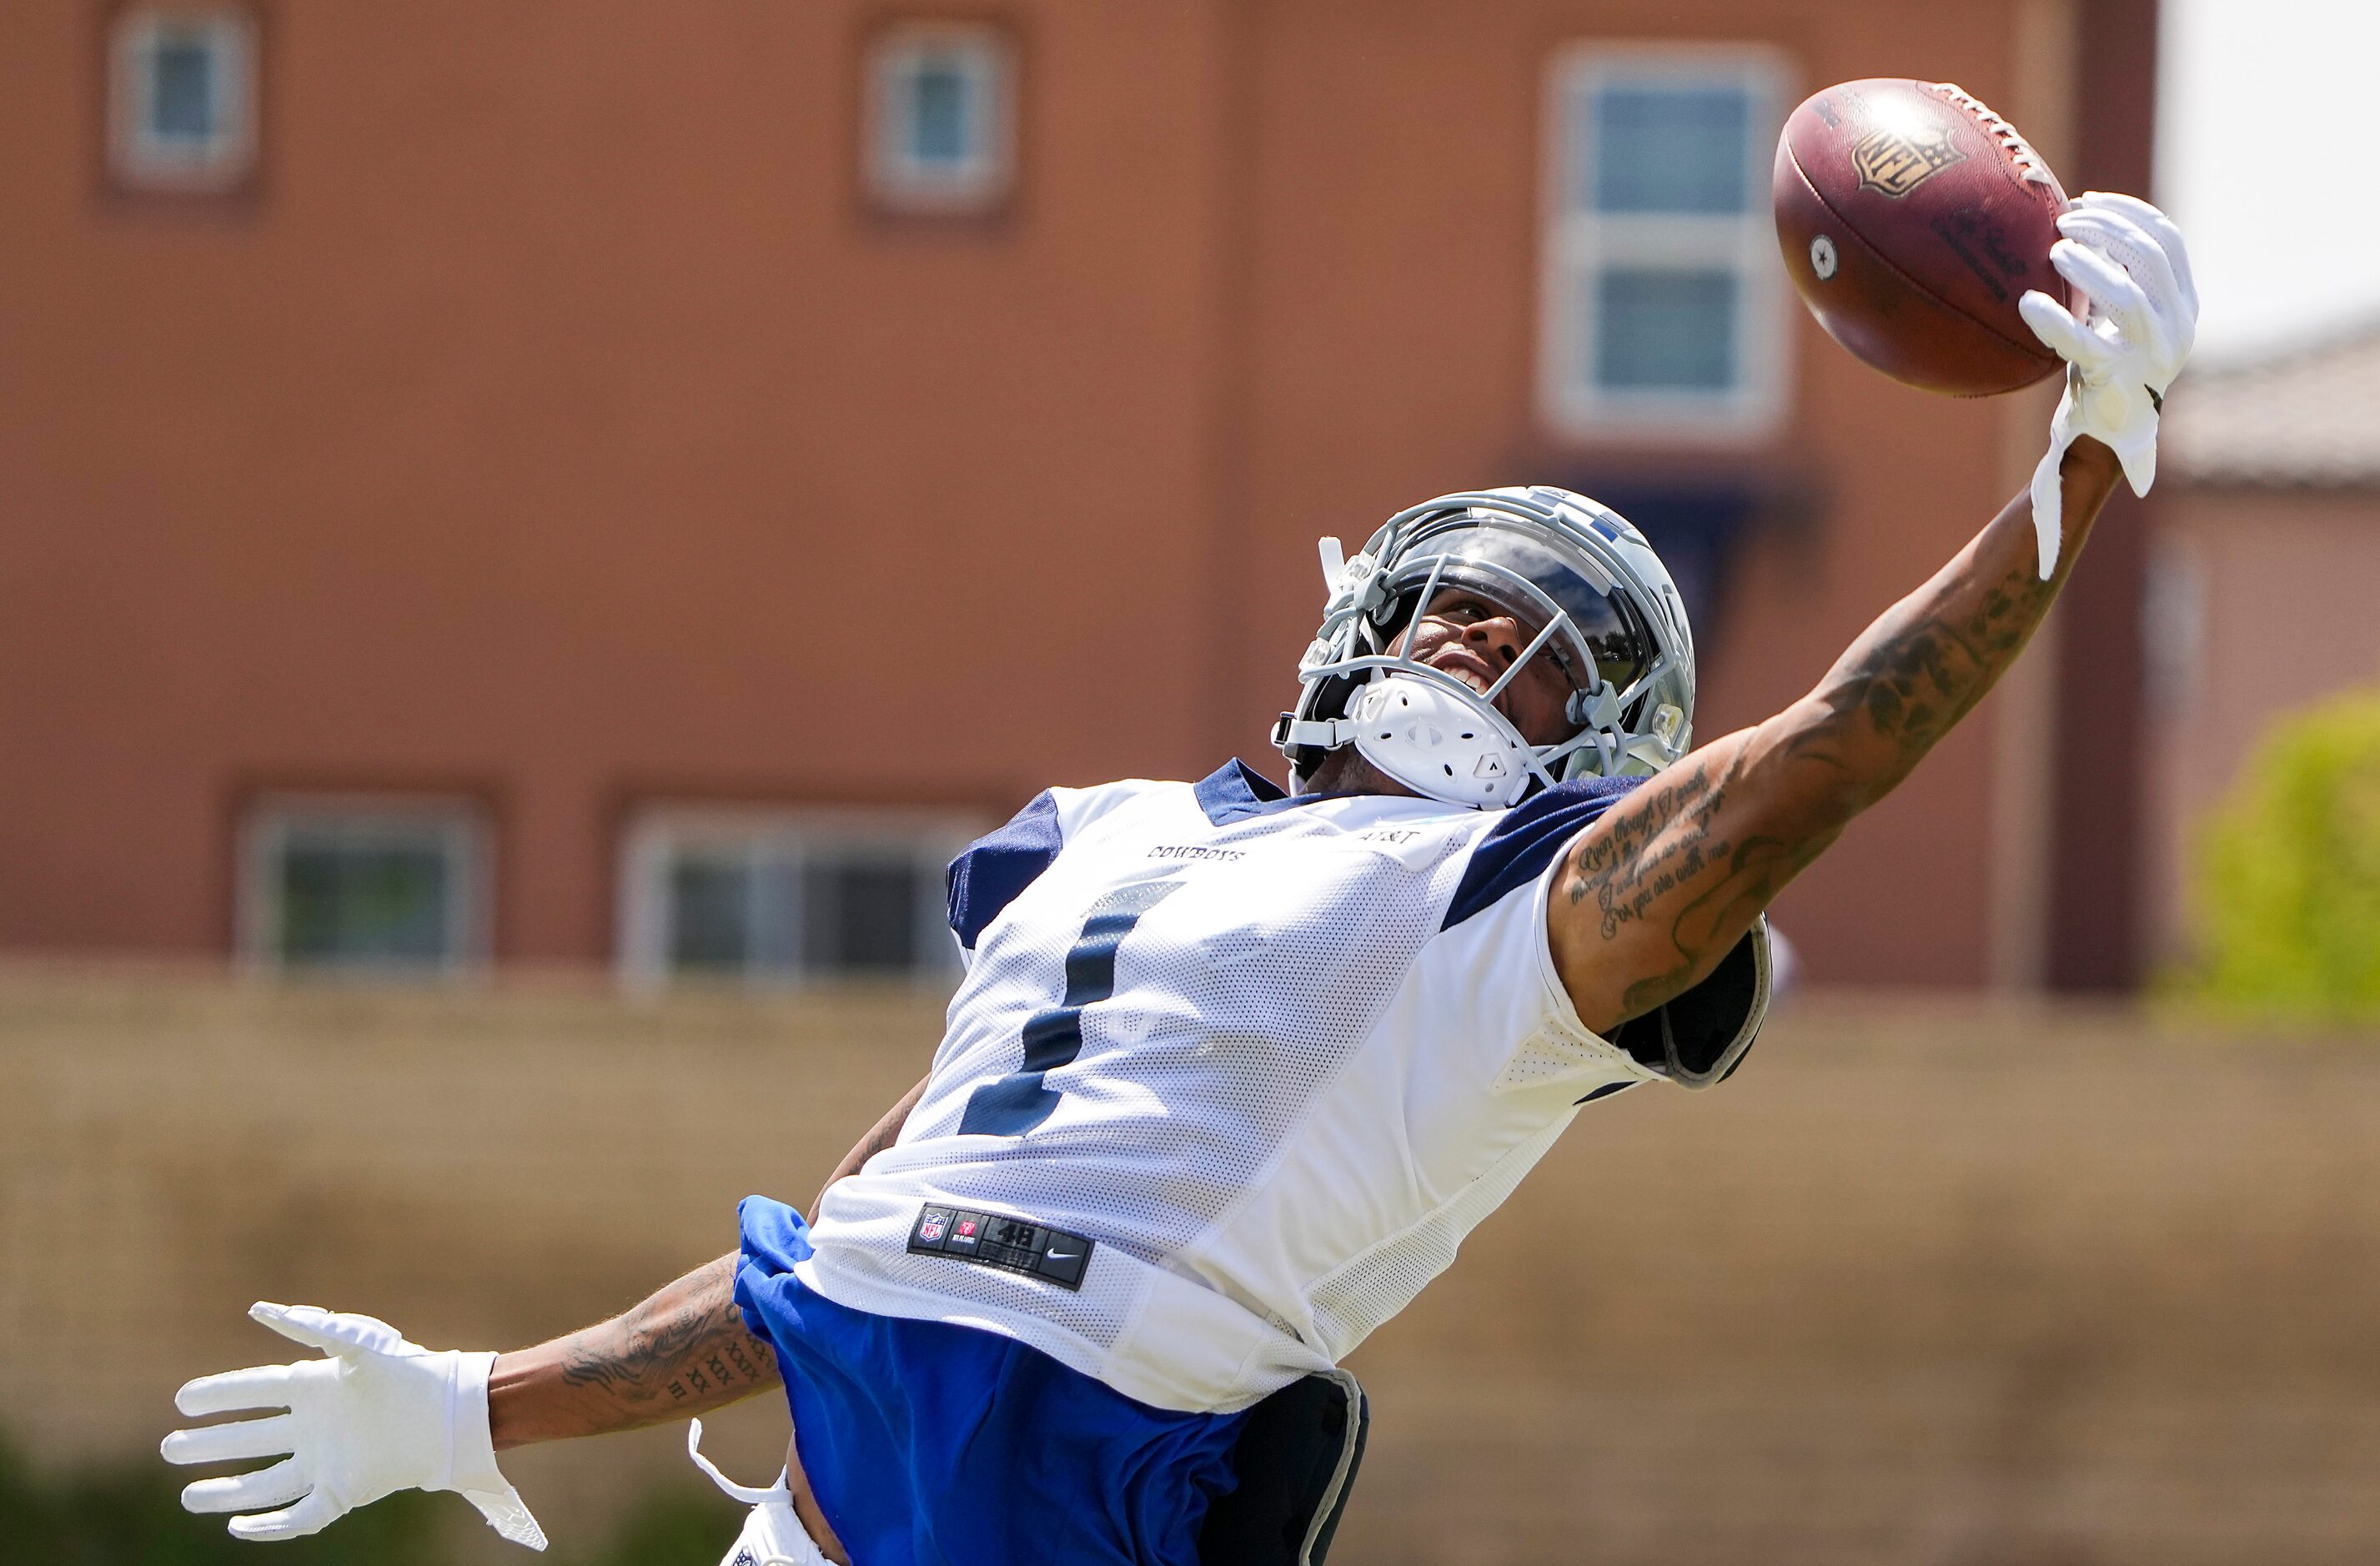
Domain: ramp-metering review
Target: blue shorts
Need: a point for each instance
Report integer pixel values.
(930, 1444)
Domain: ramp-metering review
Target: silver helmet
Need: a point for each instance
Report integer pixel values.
(1598, 601)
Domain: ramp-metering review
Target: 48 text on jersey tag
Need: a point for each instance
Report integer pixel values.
(1009, 1244)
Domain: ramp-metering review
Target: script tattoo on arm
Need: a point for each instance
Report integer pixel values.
(683, 1352)
(1663, 886)
(685, 1342)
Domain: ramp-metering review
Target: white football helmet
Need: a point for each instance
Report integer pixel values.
(1577, 574)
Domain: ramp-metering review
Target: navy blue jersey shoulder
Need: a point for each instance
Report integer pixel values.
(1236, 790)
(993, 869)
(1519, 847)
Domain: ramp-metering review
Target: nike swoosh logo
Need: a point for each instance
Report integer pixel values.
(1062, 1256)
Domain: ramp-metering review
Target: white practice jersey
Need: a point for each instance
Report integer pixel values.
(1267, 1061)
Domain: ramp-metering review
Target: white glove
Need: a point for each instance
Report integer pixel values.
(375, 1415)
(2128, 259)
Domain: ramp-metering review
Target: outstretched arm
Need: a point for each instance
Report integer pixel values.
(1660, 888)
(1654, 894)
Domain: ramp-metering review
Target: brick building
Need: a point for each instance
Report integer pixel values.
(633, 486)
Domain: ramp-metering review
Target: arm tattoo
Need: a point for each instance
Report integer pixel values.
(683, 1352)
(1676, 845)
(1672, 877)
(1921, 669)
(684, 1348)
(1626, 870)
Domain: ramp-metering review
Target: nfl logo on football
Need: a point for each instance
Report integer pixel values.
(1897, 161)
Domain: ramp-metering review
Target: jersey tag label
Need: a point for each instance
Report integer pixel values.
(1010, 1244)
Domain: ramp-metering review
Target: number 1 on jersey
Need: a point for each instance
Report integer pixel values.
(1016, 1103)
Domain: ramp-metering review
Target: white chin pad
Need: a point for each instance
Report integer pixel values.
(1439, 743)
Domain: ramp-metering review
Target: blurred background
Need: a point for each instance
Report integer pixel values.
(532, 533)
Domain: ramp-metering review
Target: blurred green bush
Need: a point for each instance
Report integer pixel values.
(2288, 885)
(131, 1516)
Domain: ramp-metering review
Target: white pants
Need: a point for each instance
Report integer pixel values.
(772, 1534)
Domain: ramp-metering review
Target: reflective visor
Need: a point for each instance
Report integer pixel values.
(1604, 630)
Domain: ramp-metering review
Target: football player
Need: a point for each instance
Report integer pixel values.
(1234, 1069)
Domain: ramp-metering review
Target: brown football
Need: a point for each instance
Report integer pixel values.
(1913, 219)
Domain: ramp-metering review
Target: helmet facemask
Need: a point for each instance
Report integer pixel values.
(1582, 582)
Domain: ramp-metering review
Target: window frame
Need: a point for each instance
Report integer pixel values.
(892, 181)
(138, 160)
(267, 824)
(1579, 245)
(655, 836)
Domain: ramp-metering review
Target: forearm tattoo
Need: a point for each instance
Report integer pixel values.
(1703, 848)
(684, 1350)
(1918, 671)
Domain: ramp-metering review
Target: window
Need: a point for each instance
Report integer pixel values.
(1664, 309)
(778, 898)
(182, 108)
(371, 886)
(940, 119)
(2173, 625)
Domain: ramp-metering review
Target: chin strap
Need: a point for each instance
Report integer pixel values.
(1329, 734)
